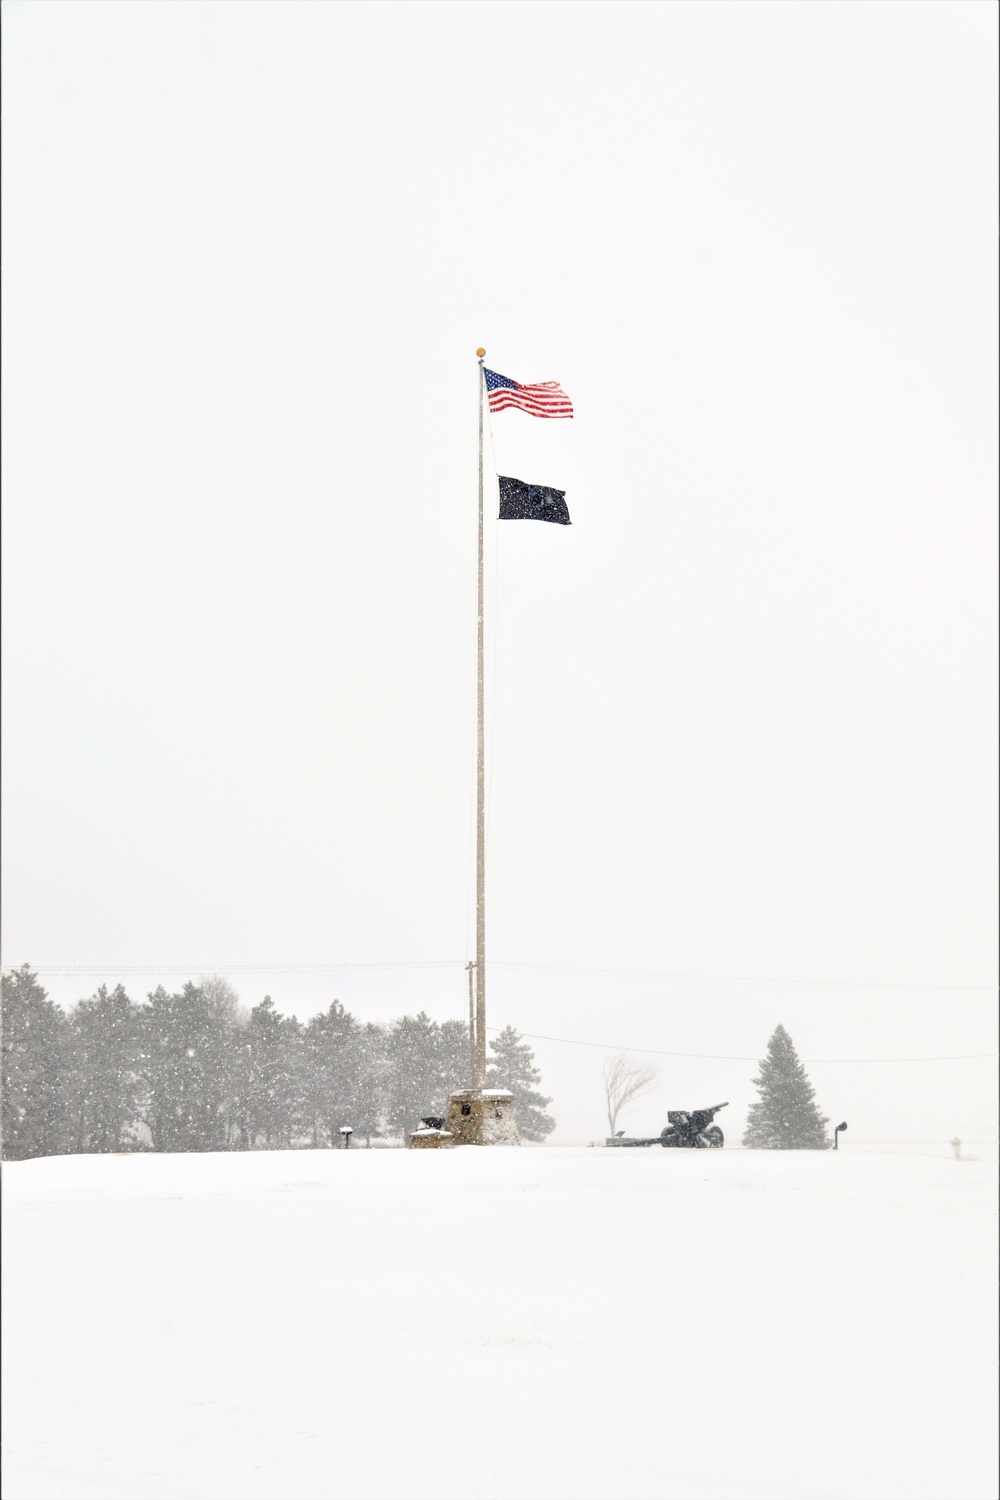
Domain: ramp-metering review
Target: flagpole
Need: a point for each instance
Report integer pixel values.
(470, 969)
(480, 1079)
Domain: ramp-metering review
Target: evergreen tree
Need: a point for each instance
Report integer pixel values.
(453, 1060)
(512, 1066)
(341, 1074)
(416, 1083)
(785, 1117)
(268, 1082)
(371, 1062)
(191, 1061)
(105, 1087)
(223, 1067)
(36, 1065)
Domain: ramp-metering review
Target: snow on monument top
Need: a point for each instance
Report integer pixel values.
(481, 1094)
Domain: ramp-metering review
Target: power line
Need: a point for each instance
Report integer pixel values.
(456, 963)
(722, 1057)
(136, 969)
(840, 984)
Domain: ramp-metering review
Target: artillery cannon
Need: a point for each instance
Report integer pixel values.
(692, 1128)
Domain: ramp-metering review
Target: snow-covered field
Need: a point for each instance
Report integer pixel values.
(501, 1323)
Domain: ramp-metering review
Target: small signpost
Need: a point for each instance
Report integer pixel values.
(347, 1131)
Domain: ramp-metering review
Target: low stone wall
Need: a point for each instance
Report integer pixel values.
(429, 1139)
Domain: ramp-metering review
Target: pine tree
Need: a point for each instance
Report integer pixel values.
(36, 1067)
(415, 1084)
(189, 1047)
(371, 1064)
(785, 1117)
(267, 1083)
(333, 1044)
(512, 1066)
(452, 1060)
(105, 1089)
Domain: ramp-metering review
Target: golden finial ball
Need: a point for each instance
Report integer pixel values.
(480, 353)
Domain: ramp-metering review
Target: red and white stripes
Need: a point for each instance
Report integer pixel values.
(547, 399)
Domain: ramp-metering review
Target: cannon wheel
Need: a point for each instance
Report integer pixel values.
(669, 1136)
(712, 1137)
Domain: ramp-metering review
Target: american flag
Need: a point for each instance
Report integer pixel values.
(548, 399)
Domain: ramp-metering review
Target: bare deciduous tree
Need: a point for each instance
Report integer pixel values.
(625, 1080)
(223, 999)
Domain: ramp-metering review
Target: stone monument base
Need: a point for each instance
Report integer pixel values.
(482, 1117)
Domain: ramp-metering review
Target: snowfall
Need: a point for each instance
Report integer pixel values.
(537, 1322)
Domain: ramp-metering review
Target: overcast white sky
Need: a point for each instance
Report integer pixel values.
(743, 710)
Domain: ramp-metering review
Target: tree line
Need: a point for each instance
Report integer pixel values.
(194, 1071)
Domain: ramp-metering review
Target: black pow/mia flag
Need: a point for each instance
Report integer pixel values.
(531, 502)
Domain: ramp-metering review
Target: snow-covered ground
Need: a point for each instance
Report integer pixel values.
(501, 1323)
